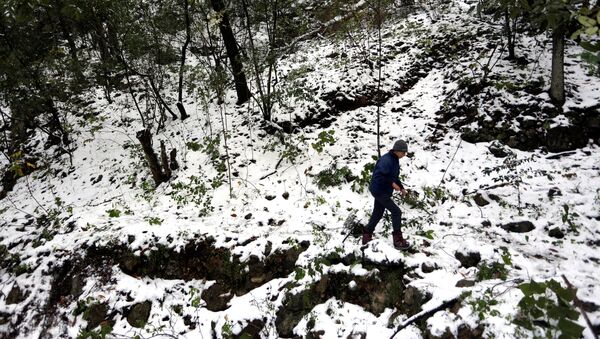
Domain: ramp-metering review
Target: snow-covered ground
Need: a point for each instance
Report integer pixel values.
(99, 197)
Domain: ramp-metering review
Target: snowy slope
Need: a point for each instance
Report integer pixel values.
(100, 200)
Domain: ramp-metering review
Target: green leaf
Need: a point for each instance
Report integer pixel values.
(523, 322)
(590, 46)
(114, 213)
(591, 30)
(536, 313)
(585, 21)
(565, 294)
(569, 329)
(576, 34)
(526, 303)
(532, 288)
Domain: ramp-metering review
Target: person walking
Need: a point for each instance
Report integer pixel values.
(383, 183)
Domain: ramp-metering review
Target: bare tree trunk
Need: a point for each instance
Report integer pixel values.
(188, 37)
(233, 53)
(263, 104)
(557, 83)
(164, 159)
(173, 160)
(509, 35)
(145, 138)
(160, 98)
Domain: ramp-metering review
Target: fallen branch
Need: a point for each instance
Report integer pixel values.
(425, 314)
(578, 304)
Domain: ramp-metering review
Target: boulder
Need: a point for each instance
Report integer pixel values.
(95, 314)
(465, 283)
(480, 200)
(518, 227)
(15, 295)
(556, 233)
(139, 313)
(469, 259)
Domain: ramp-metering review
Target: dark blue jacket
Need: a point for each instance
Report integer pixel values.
(387, 170)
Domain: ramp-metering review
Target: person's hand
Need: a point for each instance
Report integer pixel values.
(403, 192)
(396, 187)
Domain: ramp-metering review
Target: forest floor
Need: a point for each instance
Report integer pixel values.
(252, 239)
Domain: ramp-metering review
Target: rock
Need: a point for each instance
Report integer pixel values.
(556, 233)
(428, 267)
(498, 150)
(518, 227)
(412, 300)
(565, 138)
(285, 195)
(216, 297)
(252, 330)
(471, 259)
(95, 314)
(494, 197)
(130, 238)
(187, 321)
(553, 192)
(480, 200)
(466, 332)
(130, 263)
(270, 197)
(4, 318)
(15, 295)
(486, 223)
(77, 284)
(139, 314)
(248, 216)
(465, 283)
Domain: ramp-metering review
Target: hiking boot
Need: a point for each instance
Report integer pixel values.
(366, 238)
(399, 242)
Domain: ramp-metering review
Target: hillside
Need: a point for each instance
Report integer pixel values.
(257, 233)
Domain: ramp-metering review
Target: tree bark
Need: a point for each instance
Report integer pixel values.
(233, 53)
(159, 97)
(188, 37)
(509, 35)
(173, 160)
(557, 83)
(164, 159)
(145, 138)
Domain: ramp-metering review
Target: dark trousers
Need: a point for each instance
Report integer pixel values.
(383, 202)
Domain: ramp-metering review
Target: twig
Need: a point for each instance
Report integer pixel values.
(446, 171)
(578, 303)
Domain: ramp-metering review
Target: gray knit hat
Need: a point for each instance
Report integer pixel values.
(400, 146)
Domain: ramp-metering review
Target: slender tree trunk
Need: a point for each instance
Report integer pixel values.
(145, 138)
(188, 37)
(164, 160)
(509, 35)
(557, 83)
(378, 94)
(233, 53)
(259, 85)
(160, 98)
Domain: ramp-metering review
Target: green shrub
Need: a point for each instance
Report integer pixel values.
(324, 138)
(482, 306)
(494, 270)
(547, 310)
(193, 146)
(334, 177)
(364, 179)
(195, 192)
